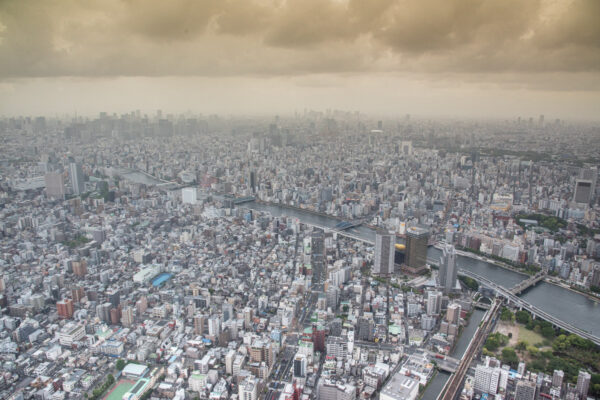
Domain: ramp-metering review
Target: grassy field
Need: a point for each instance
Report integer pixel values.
(528, 336)
(120, 388)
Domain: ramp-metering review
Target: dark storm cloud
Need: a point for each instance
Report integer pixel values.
(278, 37)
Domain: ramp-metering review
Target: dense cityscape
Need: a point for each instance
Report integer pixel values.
(325, 255)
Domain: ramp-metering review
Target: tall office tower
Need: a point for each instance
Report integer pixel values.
(384, 254)
(583, 191)
(447, 273)
(557, 378)
(76, 175)
(189, 195)
(251, 180)
(583, 384)
(525, 390)
(300, 366)
(127, 316)
(453, 313)
(317, 257)
(416, 249)
(65, 308)
(55, 185)
(434, 302)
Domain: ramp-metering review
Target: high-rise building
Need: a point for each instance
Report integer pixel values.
(486, 379)
(448, 270)
(114, 298)
(77, 294)
(383, 264)
(317, 257)
(525, 390)
(366, 328)
(300, 366)
(251, 181)
(434, 302)
(76, 175)
(583, 191)
(416, 249)
(557, 378)
(583, 384)
(453, 313)
(79, 268)
(55, 185)
(127, 316)
(65, 308)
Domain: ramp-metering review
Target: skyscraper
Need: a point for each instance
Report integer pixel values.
(76, 175)
(447, 273)
(416, 249)
(383, 264)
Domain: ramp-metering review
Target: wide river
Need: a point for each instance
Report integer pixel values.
(562, 303)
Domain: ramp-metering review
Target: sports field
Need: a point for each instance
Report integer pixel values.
(120, 388)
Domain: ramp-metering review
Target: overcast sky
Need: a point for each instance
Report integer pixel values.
(496, 58)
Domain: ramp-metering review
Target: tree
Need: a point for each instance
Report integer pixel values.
(120, 364)
(523, 317)
(506, 315)
(492, 343)
(522, 345)
(509, 356)
(548, 332)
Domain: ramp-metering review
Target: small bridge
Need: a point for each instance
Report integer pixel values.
(240, 200)
(344, 225)
(527, 283)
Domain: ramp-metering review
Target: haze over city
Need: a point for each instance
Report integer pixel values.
(299, 200)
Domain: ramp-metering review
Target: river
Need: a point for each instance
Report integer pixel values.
(562, 303)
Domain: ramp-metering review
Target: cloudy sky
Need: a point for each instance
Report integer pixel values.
(497, 58)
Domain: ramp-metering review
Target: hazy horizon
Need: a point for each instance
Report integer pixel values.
(480, 59)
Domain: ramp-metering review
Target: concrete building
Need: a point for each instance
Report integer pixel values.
(400, 387)
(448, 270)
(383, 265)
(55, 185)
(76, 175)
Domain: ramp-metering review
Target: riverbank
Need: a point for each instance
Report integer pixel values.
(485, 259)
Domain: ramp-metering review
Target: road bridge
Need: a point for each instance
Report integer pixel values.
(527, 283)
(344, 225)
